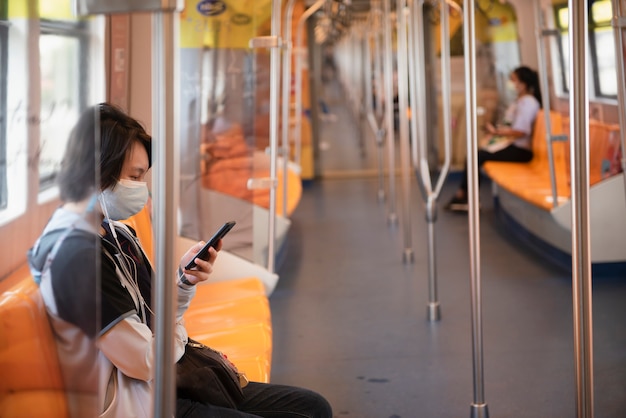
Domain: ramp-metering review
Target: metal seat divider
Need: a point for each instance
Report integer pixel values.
(542, 34)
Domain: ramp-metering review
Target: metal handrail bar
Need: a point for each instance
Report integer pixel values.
(421, 163)
(542, 33)
(419, 140)
(375, 117)
(286, 92)
(415, 56)
(300, 51)
(581, 236)
(479, 408)
(619, 23)
(274, 111)
(164, 114)
(403, 105)
(445, 93)
(392, 217)
(286, 101)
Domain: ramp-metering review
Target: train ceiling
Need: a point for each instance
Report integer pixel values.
(336, 17)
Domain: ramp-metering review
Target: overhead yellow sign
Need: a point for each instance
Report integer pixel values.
(44, 9)
(223, 23)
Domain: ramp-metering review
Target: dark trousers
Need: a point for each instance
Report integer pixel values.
(263, 400)
(511, 154)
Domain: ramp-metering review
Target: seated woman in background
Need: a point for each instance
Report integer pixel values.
(96, 283)
(510, 141)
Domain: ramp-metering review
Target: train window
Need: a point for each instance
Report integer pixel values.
(601, 48)
(602, 44)
(63, 64)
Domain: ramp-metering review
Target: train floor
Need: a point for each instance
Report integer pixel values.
(349, 316)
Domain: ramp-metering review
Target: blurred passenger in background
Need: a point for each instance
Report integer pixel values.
(511, 140)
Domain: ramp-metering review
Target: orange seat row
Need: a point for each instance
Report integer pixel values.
(232, 316)
(531, 181)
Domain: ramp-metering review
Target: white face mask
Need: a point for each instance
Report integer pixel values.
(125, 199)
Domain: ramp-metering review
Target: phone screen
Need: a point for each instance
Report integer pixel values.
(204, 252)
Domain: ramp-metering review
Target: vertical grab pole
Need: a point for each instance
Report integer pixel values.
(371, 78)
(619, 22)
(415, 56)
(405, 162)
(416, 43)
(392, 217)
(299, 57)
(421, 163)
(164, 114)
(543, 79)
(478, 408)
(286, 101)
(446, 90)
(581, 237)
(274, 111)
(378, 69)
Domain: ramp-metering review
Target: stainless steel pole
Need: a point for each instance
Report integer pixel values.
(543, 79)
(403, 105)
(392, 217)
(274, 111)
(299, 57)
(479, 407)
(419, 146)
(165, 129)
(378, 69)
(581, 237)
(286, 102)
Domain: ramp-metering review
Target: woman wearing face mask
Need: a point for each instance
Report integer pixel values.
(510, 141)
(96, 283)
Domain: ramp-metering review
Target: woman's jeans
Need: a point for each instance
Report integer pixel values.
(263, 400)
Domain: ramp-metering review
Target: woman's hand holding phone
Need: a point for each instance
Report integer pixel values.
(202, 268)
(201, 256)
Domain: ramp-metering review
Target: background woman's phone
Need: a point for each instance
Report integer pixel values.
(204, 252)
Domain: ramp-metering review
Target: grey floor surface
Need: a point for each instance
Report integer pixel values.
(349, 317)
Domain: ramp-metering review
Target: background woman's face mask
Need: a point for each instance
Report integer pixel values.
(125, 199)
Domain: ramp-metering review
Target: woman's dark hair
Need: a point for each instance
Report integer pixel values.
(530, 78)
(118, 133)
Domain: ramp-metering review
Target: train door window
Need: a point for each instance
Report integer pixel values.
(4, 54)
(601, 48)
(63, 62)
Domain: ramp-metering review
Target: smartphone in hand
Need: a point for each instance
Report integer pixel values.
(204, 252)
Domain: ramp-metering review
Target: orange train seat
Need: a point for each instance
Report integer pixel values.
(31, 384)
(531, 181)
(604, 156)
(234, 314)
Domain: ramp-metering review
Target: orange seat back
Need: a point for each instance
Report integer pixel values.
(30, 375)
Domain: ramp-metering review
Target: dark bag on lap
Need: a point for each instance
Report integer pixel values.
(207, 376)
